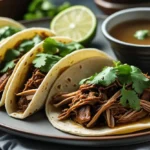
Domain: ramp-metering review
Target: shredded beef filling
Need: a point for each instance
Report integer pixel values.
(5, 77)
(93, 105)
(3, 81)
(26, 95)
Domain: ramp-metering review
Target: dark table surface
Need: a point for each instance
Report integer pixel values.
(8, 141)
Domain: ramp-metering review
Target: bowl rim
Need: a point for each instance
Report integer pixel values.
(109, 18)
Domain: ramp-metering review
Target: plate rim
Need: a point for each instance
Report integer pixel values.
(76, 137)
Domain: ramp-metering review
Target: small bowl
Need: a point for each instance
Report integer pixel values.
(138, 55)
(127, 1)
(112, 7)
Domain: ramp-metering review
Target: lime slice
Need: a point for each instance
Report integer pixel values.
(77, 22)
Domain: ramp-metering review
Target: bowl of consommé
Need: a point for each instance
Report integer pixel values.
(128, 32)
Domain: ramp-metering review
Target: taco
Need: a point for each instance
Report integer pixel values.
(109, 101)
(12, 51)
(32, 81)
(8, 27)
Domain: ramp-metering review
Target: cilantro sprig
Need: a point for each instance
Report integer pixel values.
(53, 52)
(7, 31)
(142, 34)
(12, 54)
(44, 8)
(125, 74)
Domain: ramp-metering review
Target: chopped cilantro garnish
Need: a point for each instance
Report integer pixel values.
(53, 52)
(7, 31)
(26, 45)
(141, 34)
(45, 61)
(130, 97)
(125, 74)
(51, 46)
(8, 65)
(44, 8)
(12, 54)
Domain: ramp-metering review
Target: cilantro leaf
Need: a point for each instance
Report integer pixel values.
(129, 97)
(51, 46)
(140, 82)
(7, 31)
(45, 61)
(87, 80)
(68, 48)
(123, 69)
(141, 34)
(44, 8)
(40, 60)
(37, 39)
(8, 62)
(123, 73)
(28, 44)
(8, 65)
(11, 54)
(105, 77)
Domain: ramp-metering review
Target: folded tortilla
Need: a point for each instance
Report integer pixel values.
(11, 42)
(20, 78)
(10, 22)
(86, 63)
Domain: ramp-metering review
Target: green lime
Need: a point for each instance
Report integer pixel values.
(77, 22)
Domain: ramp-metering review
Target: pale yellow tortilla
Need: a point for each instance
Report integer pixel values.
(39, 98)
(11, 42)
(4, 21)
(75, 73)
(10, 22)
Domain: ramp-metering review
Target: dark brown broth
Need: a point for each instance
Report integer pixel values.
(125, 31)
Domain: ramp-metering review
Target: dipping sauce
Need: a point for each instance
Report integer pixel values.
(125, 31)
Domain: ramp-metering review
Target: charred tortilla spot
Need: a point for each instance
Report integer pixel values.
(74, 85)
(25, 63)
(80, 67)
(59, 86)
(18, 43)
(39, 50)
(69, 79)
(44, 35)
(64, 42)
(66, 85)
(71, 62)
(31, 55)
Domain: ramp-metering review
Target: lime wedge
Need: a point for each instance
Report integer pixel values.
(77, 22)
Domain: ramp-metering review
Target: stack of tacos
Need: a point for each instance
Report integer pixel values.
(8, 27)
(12, 51)
(34, 74)
(82, 102)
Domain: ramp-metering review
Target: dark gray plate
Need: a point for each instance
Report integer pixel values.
(38, 127)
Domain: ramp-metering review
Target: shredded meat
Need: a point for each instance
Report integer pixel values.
(29, 90)
(83, 115)
(3, 80)
(94, 105)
